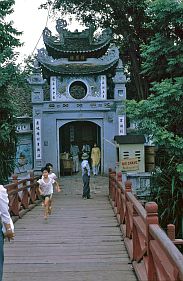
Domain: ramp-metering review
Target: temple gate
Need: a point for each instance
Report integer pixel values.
(78, 93)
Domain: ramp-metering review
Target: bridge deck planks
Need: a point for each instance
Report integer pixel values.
(81, 240)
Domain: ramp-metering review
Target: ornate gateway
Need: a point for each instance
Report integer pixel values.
(86, 83)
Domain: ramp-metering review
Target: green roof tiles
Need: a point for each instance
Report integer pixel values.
(68, 43)
(77, 68)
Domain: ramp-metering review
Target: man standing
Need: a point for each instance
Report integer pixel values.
(87, 149)
(74, 151)
(85, 167)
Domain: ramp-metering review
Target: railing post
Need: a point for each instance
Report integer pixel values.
(15, 178)
(113, 187)
(119, 176)
(128, 188)
(171, 231)
(25, 195)
(151, 218)
(135, 238)
(110, 182)
(13, 198)
(33, 188)
(118, 195)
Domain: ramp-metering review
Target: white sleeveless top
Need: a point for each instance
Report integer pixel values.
(46, 187)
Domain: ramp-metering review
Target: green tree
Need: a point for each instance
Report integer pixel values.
(8, 41)
(161, 114)
(20, 92)
(163, 55)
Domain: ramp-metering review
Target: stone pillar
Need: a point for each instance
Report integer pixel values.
(120, 95)
(36, 82)
(119, 83)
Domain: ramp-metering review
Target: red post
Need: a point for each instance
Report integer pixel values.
(34, 193)
(151, 218)
(13, 198)
(15, 178)
(128, 218)
(171, 231)
(119, 176)
(25, 195)
(110, 183)
(128, 186)
(113, 185)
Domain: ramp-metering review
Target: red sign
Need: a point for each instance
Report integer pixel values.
(130, 164)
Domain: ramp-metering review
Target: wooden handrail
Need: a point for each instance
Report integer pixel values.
(23, 195)
(137, 205)
(173, 254)
(153, 254)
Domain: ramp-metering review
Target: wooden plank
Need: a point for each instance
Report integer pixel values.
(81, 240)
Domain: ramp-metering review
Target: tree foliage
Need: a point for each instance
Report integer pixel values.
(160, 115)
(8, 41)
(167, 191)
(20, 92)
(163, 55)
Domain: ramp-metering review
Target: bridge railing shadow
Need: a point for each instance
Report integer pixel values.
(152, 252)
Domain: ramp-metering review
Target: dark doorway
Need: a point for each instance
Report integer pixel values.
(79, 132)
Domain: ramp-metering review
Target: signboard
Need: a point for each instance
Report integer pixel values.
(130, 164)
(121, 125)
(38, 139)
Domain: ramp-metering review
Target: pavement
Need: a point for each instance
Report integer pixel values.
(73, 185)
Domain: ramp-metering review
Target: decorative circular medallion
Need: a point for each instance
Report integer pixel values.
(78, 90)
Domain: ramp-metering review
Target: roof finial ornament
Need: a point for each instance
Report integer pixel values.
(61, 24)
(36, 66)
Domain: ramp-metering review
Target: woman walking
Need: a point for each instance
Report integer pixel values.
(95, 157)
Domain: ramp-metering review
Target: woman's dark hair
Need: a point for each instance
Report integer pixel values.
(45, 168)
(49, 164)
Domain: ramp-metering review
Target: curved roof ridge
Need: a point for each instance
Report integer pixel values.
(90, 66)
(111, 55)
(76, 42)
(77, 69)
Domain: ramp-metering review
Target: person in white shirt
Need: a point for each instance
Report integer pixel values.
(53, 176)
(85, 168)
(7, 230)
(46, 191)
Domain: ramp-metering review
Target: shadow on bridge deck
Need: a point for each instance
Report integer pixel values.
(81, 240)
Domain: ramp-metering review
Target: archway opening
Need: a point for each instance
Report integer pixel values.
(79, 132)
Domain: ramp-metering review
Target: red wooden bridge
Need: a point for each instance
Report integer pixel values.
(112, 237)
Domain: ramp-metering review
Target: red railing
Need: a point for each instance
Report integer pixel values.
(152, 252)
(23, 195)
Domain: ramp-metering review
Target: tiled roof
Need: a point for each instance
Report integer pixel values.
(130, 139)
(69, 43)
(76, 68)
(91, 66)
